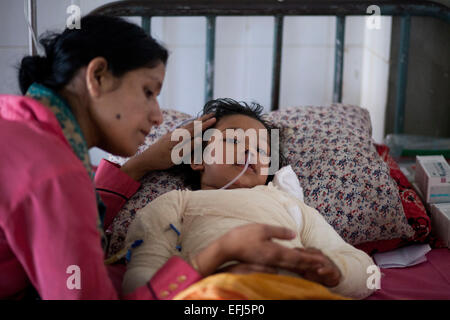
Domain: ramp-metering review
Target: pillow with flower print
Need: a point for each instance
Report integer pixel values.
(343, 177)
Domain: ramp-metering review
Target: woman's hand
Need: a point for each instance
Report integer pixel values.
(251, 244)
(158, 155)
(316, 266)
(247, 268)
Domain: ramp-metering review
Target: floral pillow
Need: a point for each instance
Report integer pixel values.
(413, 207)
(342, 175)
(331, 151)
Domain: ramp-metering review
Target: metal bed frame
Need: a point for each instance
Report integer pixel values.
(279, 9)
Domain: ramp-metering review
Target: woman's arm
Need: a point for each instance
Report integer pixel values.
(115, 188)
(116, 185)
(158, 156)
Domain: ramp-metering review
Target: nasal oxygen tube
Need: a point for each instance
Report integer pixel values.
(127, 250)
(240, 174)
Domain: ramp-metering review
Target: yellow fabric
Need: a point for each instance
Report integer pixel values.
(256, 286)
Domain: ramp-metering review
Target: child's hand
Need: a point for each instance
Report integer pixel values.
(316, 266)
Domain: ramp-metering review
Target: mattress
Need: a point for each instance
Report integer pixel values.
(426, 281)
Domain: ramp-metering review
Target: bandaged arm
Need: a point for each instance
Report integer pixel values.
(152, 225)
(352, 263)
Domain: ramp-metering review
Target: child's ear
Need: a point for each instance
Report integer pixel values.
(197, 167)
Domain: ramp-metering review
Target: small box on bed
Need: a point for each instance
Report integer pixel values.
(440, 221)
(433, 178)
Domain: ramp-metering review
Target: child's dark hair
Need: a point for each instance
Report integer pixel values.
(226, 107)
(124, 45)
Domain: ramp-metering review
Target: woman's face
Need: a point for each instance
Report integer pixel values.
(125, 115)
(215, 176)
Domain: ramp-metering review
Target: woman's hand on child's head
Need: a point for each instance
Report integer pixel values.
(158, 156)
(314, 265)
(163, 147)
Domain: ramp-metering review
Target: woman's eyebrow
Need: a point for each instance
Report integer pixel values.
(158, 84)
(157, 81)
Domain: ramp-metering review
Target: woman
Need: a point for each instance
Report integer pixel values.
(96, 86)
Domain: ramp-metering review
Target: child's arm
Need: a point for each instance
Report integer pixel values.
(352, 263)
(152, 225)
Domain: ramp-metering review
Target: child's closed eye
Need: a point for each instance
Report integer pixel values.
(262, 152)
(231, 140)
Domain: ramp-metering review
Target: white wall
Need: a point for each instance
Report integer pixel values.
(308, 61)
(353, 55)
(184, 82)
(13, 44)
(375, 74)
(243, 58)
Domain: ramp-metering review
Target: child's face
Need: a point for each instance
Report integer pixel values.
(215, 175)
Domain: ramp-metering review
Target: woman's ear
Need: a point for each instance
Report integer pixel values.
(98, 78)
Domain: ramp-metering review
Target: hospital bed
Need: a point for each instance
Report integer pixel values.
(314, 136)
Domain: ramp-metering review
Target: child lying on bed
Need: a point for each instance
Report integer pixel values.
(183, 222)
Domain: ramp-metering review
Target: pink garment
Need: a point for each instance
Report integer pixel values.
(48, 213)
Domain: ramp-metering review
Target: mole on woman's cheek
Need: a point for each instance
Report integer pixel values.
(118, 116)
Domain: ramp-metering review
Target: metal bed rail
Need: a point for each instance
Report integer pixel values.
(279, 9)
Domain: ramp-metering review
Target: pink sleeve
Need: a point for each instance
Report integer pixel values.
(115, 188)
(175, 276)
(53, 233)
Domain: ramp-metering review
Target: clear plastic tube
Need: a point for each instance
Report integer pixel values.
(240, 174)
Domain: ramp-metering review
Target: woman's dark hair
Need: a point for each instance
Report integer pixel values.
(226, 107)
(124, 45)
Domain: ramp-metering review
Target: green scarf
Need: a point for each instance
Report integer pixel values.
(72, 132)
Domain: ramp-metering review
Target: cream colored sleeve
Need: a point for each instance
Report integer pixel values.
(353, 263)
(152, 225)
